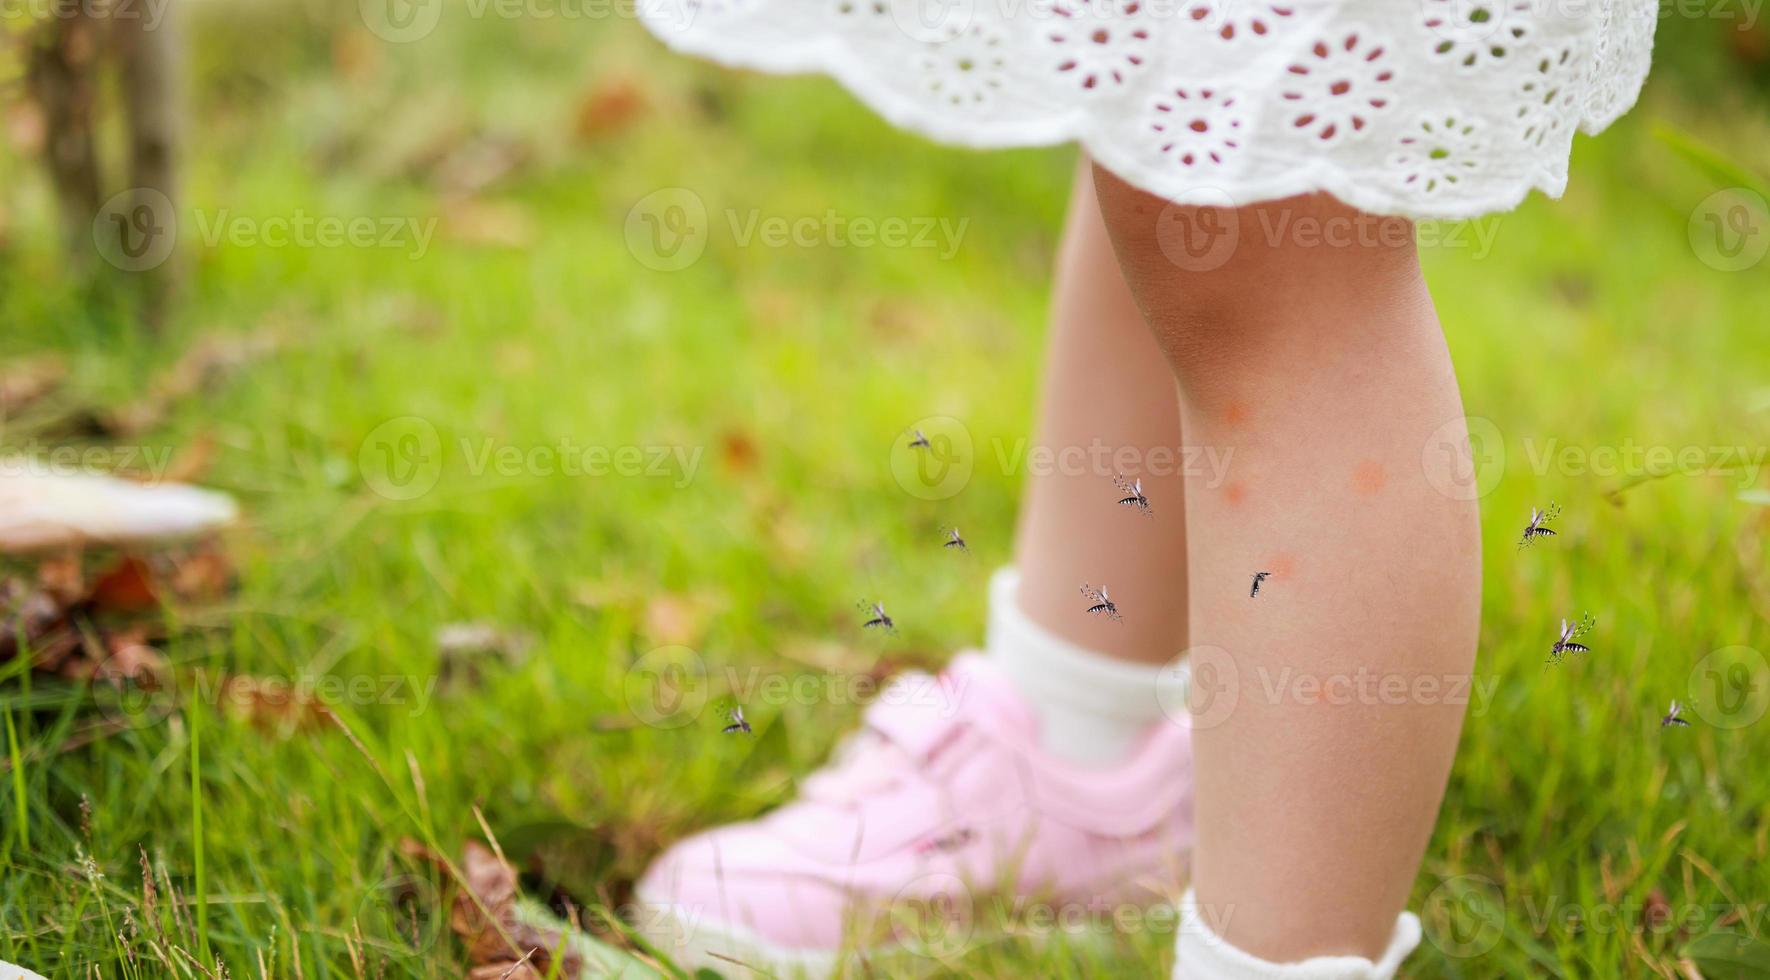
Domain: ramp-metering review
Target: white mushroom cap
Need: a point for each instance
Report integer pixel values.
(42, 510)
(10, 972)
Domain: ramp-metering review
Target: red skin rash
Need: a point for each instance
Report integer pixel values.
(1368, 478)
(1236, 494)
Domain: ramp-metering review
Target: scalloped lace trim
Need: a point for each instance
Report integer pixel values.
(1422, 108)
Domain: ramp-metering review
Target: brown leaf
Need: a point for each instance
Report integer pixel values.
(738, 451)
(127, 586)
(489, 926)
(677, 619)
(27, 612)
(24, 382)
(273, 704)
(127, 657)
(63, 576)
(204, 574)
(610, 107)
(499, 224)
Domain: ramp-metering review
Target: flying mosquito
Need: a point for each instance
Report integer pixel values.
(953, 540)
(877, 617)
(1570, 632)
(1258, 578)
(738, 724)
(1133, 495)
(920, 441)
(1100, 602)
(1538, 526)
(1673, 717)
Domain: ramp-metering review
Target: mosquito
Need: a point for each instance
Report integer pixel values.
(1100, 602)
(954, 541)
(738, 724)
(920, 441)
(1538, 526)
(1673, 717)
(876, 612)
(1258, 578)
(1570, 632)
(1133, 493)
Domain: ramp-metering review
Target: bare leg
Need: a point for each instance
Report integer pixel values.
(1323, 368)
(1107, 391)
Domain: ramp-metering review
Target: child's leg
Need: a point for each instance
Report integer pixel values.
(1106, 385)
(1322, 366)
(1109, 407)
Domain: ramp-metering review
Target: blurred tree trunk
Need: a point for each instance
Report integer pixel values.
(62, 80)
(63, 75)
(152, 107)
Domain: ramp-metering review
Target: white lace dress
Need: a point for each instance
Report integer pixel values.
(1424, 108)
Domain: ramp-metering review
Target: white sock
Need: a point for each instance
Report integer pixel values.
(1092, 708)
(1201, 954)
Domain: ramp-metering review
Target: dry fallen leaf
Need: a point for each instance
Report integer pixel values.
(204, 574)
(484, 916)
(679, 619)
(498, 224)
(610, 107)
(738, 451)
(24, 382)
(273, 704)
(127, 586)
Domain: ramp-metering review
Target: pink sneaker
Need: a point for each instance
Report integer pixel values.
(944, 802)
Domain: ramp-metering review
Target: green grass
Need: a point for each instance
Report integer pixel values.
(785, 374)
